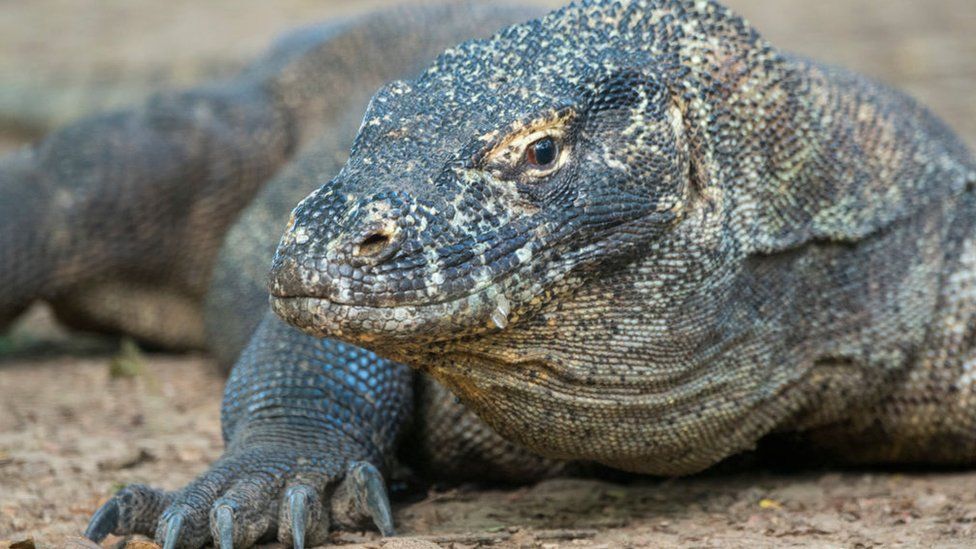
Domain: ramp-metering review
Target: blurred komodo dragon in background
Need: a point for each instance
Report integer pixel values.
(630, 233)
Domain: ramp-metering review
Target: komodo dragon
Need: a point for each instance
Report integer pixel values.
(630, 233)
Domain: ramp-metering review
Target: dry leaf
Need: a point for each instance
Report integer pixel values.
(140, 543)
(767, 503)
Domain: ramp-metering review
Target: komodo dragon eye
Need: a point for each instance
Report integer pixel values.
(542, 154)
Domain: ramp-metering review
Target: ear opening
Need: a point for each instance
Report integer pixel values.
(698, 174)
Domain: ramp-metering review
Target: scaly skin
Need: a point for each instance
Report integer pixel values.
(728, 242)
(117, 221)
(300, 413)
(731, 242)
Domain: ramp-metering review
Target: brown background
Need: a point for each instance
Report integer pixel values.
(70, 433)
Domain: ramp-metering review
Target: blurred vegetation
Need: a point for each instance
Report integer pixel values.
(60, 59)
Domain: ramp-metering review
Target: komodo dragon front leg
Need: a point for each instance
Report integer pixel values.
(308, 423)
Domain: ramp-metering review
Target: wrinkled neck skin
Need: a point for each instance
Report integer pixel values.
(649, 371)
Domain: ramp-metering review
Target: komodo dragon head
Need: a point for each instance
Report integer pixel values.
(507, 174)
(557, 224)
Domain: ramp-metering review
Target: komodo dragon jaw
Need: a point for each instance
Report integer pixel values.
(634, 233)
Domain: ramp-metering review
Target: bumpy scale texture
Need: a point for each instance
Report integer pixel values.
(730, 242)
(630, 232)
(116, 221)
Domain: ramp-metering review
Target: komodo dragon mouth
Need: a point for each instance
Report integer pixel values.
(437, 321)
(376, 289)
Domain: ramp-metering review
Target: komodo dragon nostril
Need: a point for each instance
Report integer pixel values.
(378, 242)
(373, 244)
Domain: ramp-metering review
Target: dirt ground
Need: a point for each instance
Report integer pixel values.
(72, 432)
(78, 418)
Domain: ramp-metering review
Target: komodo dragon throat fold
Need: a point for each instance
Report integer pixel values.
(636, 233)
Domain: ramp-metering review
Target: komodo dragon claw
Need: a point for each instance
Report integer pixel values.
(368, 485)
(135, 508)
(298, 503)
(225, 527)
(173, 526)
(103, 522)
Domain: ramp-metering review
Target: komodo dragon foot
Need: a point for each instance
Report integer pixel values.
(265, 492)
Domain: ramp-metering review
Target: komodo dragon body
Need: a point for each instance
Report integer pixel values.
(630, 233)
(636, 233)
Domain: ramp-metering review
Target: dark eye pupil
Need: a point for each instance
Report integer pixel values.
(542, 152)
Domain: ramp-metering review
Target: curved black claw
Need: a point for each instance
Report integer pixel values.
(304, 517)
(377, 502)
(298, 502)
(104, 521)
(173, 526)
(225, 527)
(362, 496)
(132, 510)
